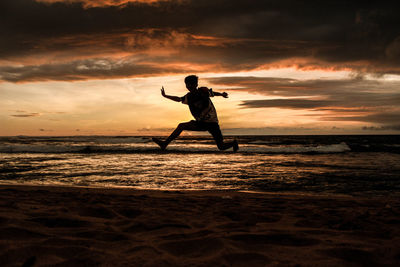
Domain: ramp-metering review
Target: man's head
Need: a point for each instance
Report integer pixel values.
(191, 82)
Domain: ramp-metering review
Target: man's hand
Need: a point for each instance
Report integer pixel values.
(174, 98)
(224, 94)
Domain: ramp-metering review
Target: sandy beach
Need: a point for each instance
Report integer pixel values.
(76, 226)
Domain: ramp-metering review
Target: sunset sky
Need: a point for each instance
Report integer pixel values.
(83, 67)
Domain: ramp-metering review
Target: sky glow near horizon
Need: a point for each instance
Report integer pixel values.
(83, 76)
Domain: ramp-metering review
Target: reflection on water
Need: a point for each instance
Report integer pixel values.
(354, 173)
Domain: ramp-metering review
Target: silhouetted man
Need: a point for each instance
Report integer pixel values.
(203, 111)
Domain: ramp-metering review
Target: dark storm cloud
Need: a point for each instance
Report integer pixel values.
(27, 25)
(359, 35)
(355, 99)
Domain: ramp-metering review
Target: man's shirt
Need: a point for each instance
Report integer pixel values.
(200, 104)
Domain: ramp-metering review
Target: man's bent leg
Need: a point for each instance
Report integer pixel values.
(190, 125)
(215, 131)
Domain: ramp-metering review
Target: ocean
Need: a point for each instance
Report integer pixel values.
(350, 165)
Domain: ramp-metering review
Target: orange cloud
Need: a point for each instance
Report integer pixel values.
(134, 53)
(312, 64)
(116, 45)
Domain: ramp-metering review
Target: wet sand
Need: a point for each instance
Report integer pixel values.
(65, 226)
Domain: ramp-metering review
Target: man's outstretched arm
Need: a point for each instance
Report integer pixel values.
(174, 98)
(224, 94)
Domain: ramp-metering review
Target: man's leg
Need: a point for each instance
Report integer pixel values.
(215, 131)
(190, 126)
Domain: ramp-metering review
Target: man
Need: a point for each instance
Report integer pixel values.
(203, 111)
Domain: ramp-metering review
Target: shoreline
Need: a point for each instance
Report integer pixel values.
(132, 190)
(66, 226)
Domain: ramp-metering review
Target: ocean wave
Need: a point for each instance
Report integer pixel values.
(179, 148)
(263, 142)
(333, 148)
(76, 139)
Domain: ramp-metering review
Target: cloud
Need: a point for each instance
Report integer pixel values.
(381, 128)
(355, 99)
(26, 114)
(136, 49)
(82, 70)
(378, 117)
(128, 54)
(287, 103)
(229, 35)
(349, 93)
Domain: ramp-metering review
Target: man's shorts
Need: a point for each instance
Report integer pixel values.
(211, 127)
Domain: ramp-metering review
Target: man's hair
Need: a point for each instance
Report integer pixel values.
(191, 79)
